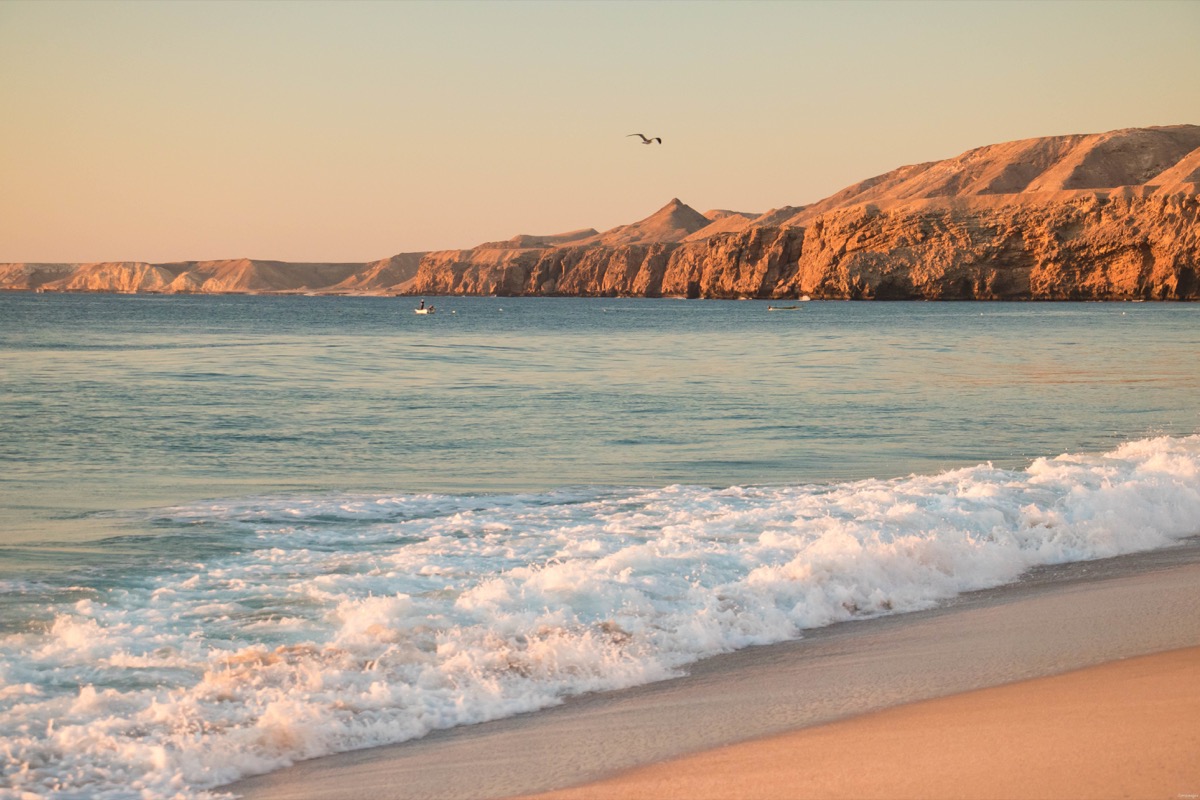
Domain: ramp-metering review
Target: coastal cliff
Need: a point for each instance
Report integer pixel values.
(229, 276)
(1112, 216)
(1092, 247)
(1088, 248)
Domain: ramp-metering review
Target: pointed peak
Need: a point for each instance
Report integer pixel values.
(671, 223)
(674, 205)
(676, 208)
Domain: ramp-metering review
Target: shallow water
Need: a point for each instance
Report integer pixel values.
(237, 531)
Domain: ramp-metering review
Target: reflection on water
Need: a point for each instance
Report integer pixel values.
(113, 402)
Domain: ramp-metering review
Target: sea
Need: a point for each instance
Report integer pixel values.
(241, 531)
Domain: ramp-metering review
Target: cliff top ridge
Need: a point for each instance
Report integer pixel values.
(1165, 158)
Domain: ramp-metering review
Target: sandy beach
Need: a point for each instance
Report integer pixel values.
(1078, 681)
(1123, 729)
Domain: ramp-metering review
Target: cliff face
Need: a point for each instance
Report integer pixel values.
(760, 262)
(1102, 216)
(32, 276)
(231, 276)
(1091, 247)
(1097, 216)
(125, 277)
(634, 270)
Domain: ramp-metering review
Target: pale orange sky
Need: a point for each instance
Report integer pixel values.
(352, 131)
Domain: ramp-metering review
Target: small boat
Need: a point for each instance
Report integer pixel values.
(423, 310)
(783, 308)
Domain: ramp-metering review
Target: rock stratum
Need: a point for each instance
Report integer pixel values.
(1110, 216)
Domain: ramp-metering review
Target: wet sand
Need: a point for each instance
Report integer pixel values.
(1056, 621)
(1124, 729)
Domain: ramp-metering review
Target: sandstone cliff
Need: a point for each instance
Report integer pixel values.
(32, 276)
(231, 276)
(1102, 216)
(1091, 247)
(1097, 216)
(125, 277)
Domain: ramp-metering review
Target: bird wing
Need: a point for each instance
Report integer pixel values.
(644, 139)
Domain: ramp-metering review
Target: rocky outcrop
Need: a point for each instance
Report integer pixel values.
(632, 270)
(1086, 217)
(1092, 247)
(657, 256)
(1098, 217)
(760, 262)
(1035, 171)
(25, 277)
(231, 276)
(246, 275)
(124, 277)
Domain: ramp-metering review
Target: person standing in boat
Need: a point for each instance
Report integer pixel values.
(422, 304)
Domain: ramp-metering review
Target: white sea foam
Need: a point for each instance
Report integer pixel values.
(350, 621)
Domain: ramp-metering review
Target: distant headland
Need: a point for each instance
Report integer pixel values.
(1108, 216)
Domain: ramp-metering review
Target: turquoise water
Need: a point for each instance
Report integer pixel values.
(112, 402)
(240, 531)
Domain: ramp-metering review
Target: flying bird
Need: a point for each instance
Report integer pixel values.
(644, 139)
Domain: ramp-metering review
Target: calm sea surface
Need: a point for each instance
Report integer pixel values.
(238, 531)
(112, 402)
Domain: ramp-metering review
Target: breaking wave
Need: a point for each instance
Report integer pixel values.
(299, 626)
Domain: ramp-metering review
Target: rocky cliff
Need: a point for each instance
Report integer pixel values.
(231, 276)
(1097, 216)
(1091, 247)
(1104, 216)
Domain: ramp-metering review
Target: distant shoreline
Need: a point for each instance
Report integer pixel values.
(392, 296)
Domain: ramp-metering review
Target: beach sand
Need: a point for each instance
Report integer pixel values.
(1124, 729)
(852, 710)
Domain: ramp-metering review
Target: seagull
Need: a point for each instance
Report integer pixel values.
(644, 139)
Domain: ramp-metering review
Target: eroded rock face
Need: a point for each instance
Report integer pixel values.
(1088, 248)
(24, 277)
(124, 277)
(231, 276)
(633, 270)
(760, 262)
(1085, 217)
(1088, 217)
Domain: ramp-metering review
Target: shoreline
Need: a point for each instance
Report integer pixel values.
(1121, 729)
(755, 298)
(1056, 620)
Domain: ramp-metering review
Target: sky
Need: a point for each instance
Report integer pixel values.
(351, 131)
